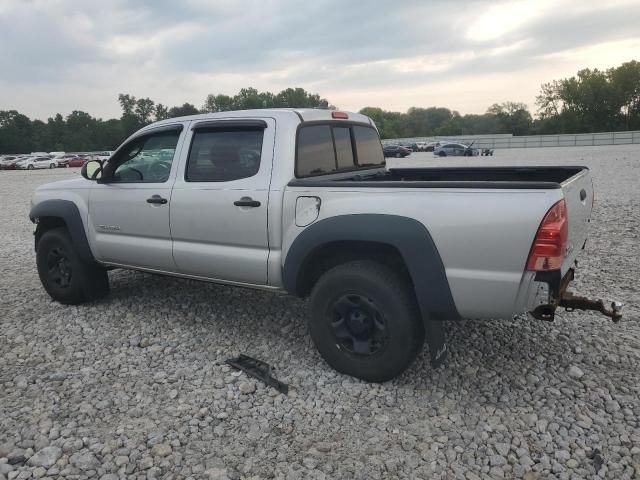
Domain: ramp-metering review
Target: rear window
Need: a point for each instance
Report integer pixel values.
(330, 148)
(315, 151)
(344, 147)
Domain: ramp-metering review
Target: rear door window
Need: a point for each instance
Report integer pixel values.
(220, 155)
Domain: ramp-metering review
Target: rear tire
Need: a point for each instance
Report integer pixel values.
(64, 275)
(52, 165)
(29, 167)
(364, 320)
(398, 155)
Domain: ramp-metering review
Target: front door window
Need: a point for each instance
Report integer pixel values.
(146, 159)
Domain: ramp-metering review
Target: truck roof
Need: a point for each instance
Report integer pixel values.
(302, 114)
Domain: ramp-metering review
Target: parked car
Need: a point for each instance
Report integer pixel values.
(300, 201)
(430, 147)
(76, 161)
(413, 147)
(103, 156)
(65, 160)
(393, 150)
(455, 150)
(31, 163)
(7, 159)
(486, 152)
(10, 162)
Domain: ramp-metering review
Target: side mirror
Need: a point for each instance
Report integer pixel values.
(92, 170)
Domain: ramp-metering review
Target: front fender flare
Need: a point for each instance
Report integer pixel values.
(68, 212)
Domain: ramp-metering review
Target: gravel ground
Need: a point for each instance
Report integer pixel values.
(135, 386)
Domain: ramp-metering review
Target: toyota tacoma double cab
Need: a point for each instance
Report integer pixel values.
(300, 201)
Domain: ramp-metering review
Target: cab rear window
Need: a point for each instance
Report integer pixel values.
(329, 148)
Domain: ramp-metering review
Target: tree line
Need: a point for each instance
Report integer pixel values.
(591, 101)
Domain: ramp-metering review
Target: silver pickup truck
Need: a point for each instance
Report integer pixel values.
(300, 201)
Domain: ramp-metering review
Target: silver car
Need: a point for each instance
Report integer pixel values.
(455, 150)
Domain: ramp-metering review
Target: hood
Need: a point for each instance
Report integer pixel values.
(71, 184)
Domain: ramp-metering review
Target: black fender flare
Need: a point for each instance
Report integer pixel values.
(415, 244)
(68, 212)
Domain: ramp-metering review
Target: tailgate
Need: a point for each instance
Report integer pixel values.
(578, 195)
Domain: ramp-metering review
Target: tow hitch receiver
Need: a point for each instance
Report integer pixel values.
(572, 302)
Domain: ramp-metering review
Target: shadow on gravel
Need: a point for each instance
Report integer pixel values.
(481, 353)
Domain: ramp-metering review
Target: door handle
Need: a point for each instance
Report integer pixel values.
(157, 199)
(246, 202)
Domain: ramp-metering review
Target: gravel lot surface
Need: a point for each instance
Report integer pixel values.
(135, 386)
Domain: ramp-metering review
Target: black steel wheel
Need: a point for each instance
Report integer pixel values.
(358, 326)
(59, 268)
(65, 276)
(364, 320)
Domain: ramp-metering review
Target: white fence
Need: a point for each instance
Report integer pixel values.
(534, 141)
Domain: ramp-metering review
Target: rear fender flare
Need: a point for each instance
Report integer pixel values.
(418, 251)
(407, 235)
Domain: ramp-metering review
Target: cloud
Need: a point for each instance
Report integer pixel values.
(61, 55)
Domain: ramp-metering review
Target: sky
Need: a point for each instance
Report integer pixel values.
(65, 55)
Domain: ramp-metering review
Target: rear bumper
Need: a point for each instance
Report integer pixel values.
(552, 291)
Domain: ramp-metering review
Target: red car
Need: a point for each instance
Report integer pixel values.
(74, 161)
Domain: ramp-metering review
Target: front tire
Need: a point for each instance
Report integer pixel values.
(398, 155)
(364, 320)
(442, 154)
(66, 277)
(29, 167)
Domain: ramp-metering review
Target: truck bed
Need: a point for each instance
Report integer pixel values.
(482, 220)
(543, 177)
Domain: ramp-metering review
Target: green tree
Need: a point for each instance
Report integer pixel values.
(145, 108)
(625, 82)
(592, 101)
(513, 117)
(15, 132)
(218, 103)
(183, 111)
(161, 112)
(127, 102)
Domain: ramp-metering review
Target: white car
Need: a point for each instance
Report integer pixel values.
(31, 163)
(103, 156)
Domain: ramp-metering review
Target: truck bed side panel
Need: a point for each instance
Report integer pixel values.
(483, 236)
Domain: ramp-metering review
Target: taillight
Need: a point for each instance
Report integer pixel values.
(550, 244)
